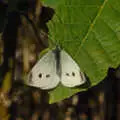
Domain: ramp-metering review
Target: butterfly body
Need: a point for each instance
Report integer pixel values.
(54, 67)
(57, 52)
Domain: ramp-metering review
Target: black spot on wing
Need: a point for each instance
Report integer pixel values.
(73, 74)
(67, 74)
(81, 75)
(40, 75)
(48, 75)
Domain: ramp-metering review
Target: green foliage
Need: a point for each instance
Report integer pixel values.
(89, 30)
(52, 3)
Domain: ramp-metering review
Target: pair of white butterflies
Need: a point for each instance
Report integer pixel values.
(54, 67)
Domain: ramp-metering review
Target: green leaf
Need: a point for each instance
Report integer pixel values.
(89, 30)
(51, 3)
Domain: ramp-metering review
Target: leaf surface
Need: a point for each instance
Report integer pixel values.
(89, 30)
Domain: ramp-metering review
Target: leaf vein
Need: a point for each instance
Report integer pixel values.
(91, 26)
(109, 58)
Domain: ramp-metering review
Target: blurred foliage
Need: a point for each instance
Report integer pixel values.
(3, 13)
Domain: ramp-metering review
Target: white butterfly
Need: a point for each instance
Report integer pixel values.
(54, 67)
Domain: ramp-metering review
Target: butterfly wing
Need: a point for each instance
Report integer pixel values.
(43, 75)
(71, 75)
